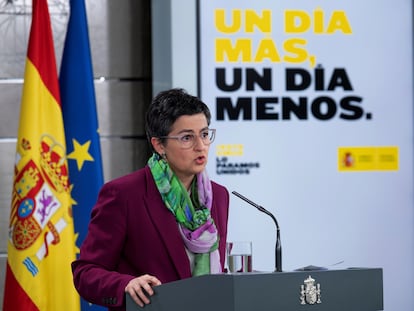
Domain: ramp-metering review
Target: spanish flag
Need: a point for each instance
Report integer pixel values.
(41, 244)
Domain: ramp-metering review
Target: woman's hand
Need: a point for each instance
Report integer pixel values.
(140, 288)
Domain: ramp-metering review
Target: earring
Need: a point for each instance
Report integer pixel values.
(163, 156)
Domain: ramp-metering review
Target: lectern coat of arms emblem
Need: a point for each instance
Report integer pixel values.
(309, 292)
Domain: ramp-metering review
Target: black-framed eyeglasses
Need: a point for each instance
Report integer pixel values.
(188, 140)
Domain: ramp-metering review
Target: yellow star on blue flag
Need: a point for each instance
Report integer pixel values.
(80, 153)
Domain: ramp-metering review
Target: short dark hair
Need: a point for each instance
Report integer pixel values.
(167, 106)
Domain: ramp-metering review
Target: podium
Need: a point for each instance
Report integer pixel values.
(354, 289)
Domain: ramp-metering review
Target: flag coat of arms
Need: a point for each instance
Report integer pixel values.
(41, 241)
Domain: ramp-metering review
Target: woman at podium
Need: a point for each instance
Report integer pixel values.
(164, 222)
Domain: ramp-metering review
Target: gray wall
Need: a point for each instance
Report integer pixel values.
(120, 38)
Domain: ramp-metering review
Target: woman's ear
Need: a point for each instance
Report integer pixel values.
(157, 145)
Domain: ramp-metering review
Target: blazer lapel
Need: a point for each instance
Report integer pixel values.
(167, 226)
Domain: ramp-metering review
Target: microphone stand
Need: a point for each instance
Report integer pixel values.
(278, 246)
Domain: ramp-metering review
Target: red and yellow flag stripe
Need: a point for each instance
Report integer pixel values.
(41, 233)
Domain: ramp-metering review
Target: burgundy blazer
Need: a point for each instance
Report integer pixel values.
(131, 233)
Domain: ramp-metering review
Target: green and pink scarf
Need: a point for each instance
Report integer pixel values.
(192, 212)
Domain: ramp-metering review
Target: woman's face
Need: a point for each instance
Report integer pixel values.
(185, 163)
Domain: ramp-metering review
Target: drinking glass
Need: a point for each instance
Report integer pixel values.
(239, 256)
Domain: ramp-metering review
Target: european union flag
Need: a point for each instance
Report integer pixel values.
(80, 122)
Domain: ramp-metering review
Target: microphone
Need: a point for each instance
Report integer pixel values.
(278, 247)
